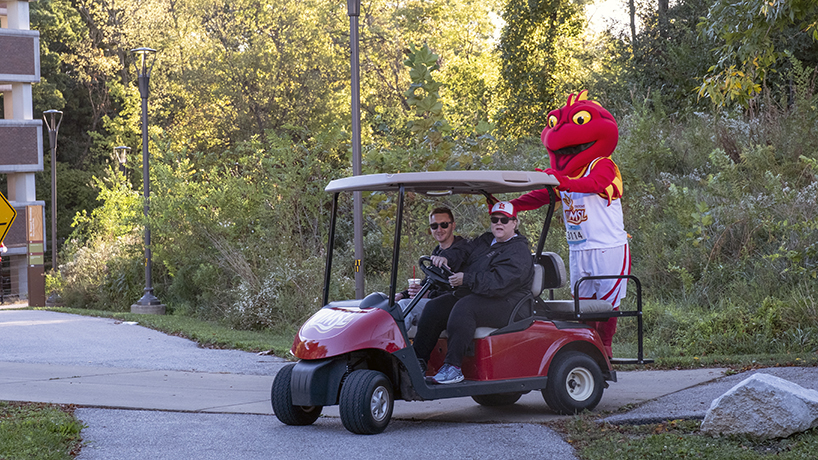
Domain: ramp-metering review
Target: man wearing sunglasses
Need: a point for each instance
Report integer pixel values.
(441, 226)
(498, 270)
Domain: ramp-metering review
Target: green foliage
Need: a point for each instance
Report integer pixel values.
(432, 126)
(248, 67)
(667, 60)
(229, 228)
(755, 34)
(38, 431)
(459, 31)
(537, 45)
(722, 202)
(723, 229)
(101, 264)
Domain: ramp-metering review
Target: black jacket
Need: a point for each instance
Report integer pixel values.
(503, 270)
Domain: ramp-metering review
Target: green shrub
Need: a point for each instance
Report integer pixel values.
(103, 259)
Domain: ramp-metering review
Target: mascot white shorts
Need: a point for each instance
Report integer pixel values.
(607, 261)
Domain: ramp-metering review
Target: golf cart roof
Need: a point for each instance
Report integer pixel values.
(437, 183)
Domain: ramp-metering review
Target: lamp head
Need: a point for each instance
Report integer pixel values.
(56, 119)
(144, 58)
(121, 154)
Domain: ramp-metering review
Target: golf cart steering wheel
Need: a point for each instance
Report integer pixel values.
(439, 275)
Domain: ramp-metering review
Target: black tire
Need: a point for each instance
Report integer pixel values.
(282, 400)
(574, 384)
(499, 399)
(366, 402)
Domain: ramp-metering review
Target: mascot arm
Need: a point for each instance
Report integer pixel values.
(531, 200)
(599, 180)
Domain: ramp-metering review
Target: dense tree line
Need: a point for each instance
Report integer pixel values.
(249, 119)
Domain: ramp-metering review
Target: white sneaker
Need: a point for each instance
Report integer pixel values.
(448, 374)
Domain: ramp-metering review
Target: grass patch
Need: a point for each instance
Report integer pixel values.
(208, 334)
(676, 439)
(38, 431)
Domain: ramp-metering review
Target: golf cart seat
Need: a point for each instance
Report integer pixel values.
(553, 276)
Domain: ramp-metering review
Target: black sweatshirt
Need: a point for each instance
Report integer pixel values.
(501, 270)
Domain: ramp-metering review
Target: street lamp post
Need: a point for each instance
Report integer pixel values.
(354, 11)
(121, 155)
(55, 117)
(144, 58)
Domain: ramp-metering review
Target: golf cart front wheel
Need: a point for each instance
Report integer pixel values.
(281, 398)
(499, 399)
(366, 402)
(575, 383)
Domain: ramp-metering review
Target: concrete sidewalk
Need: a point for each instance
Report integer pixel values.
(97, 362)
(188, 391)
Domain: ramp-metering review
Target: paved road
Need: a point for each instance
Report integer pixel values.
(33, 336)
(204, 403)
(55, 357)
(118, 434)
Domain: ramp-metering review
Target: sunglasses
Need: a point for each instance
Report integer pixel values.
(443, 225)
(503, 220)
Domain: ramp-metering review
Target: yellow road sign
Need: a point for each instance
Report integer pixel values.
(7, 215)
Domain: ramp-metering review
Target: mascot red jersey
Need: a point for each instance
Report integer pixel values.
(580, 139)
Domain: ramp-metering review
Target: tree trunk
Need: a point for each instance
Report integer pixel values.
(632, 5)
(663, 22)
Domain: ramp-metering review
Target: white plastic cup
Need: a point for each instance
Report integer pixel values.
(414, 286)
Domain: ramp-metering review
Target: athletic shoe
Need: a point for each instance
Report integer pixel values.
(448, 374)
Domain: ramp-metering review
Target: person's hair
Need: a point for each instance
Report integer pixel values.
(442, 210)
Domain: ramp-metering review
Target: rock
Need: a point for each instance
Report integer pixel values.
(764, 406)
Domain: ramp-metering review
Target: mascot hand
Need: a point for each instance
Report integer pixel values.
(490, 200)
(564, 180)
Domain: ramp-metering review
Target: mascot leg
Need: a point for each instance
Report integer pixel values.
(598, 262)
(606, 331)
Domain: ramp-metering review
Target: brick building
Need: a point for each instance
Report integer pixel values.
(21, 154)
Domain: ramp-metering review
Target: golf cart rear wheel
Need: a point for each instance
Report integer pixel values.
(281, 398)
(574, 384)
(366, 402)
(499, 399)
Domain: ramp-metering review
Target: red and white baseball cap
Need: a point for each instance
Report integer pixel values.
(505, 208)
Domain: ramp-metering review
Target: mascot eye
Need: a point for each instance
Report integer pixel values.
(552, 121)
(581, 117)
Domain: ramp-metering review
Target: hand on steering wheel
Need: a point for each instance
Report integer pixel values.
(439, 274)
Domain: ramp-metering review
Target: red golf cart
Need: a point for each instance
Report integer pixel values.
(358, 353)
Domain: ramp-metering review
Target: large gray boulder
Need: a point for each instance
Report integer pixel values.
(764, 406)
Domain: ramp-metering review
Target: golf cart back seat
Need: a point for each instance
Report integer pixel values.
(553, 276)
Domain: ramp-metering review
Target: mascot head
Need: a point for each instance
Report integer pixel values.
(579, 133)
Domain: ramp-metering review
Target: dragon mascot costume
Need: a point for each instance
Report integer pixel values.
(580, 138)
